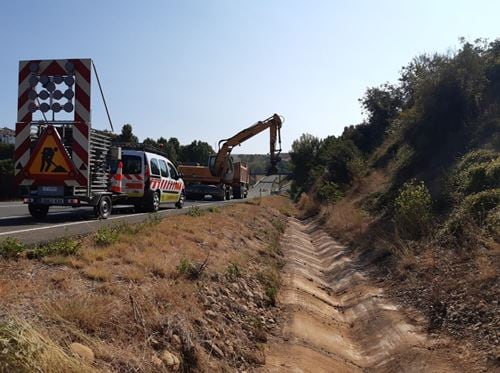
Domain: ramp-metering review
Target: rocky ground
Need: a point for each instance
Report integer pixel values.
(189, 293)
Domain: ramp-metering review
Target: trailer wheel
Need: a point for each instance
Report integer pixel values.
(38, 211)
(180, 202)
(103, 208)
(153, 202)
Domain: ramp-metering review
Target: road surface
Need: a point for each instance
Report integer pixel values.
(16, 222)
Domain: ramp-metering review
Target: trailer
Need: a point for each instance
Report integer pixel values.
(60, 160)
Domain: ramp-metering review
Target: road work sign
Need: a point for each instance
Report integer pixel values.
(50, 160)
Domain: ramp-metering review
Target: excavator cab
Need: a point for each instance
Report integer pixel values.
(228, 171)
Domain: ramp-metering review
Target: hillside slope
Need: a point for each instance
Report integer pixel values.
(418, 186)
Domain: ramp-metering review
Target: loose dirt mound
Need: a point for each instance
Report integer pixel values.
(337, 320)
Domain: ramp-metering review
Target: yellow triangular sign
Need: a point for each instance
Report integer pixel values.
(50, 156)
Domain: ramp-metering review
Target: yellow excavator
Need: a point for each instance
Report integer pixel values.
(223, 178)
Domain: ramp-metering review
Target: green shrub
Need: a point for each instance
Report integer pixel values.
(106, 236)
(477, 171)
(328, 191)
(185, 266)
(62, 247)
(233, 270)
(413, 210)
(480, 204)
(11, 247)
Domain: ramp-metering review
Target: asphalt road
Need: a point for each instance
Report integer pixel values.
(16, 222)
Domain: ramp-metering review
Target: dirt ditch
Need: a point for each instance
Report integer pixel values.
(337, 320)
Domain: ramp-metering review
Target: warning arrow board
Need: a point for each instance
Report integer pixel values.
(49, 160)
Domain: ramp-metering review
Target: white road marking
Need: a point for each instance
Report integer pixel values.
(66, 224)
(86, 221)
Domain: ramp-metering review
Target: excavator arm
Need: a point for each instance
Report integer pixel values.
(221, 165)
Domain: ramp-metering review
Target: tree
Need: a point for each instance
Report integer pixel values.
(196, 152)
(304, 159)
(127, 135)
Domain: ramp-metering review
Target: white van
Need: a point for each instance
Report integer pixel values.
(149, 180)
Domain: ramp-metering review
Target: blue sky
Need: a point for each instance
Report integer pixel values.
(207, 69)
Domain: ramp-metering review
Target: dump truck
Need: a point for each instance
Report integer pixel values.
(224, 179)
(60, 160)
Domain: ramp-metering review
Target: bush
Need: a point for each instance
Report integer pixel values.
(480, 204)
(328, 191)
(11, 248)
(477, 171)
(62, 247)
(233, 270)
(413, 210)
(106, 236)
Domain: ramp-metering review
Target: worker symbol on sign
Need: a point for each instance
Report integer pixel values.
(47, 161)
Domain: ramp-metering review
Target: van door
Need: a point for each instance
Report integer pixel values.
(177, 183)
(133, 179)
(164, 185)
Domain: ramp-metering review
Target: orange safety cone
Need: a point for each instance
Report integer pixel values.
(116, 185)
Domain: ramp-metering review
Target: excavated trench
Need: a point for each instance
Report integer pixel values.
(337, 320)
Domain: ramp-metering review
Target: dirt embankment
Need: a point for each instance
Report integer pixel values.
(189, 293)
(339, 320)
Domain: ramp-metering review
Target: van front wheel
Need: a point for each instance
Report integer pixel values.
(180, 202)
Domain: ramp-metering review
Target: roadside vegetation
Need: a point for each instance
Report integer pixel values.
(416, 187)
(194, 292)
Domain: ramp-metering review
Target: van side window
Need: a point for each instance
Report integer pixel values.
(155, 169)
(163, 168)
(173, 171)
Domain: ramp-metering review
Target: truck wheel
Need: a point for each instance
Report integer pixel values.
(237, 193)
(38, 211)
(103, 208)
(154, 202)
(180, 202)
(228, 194)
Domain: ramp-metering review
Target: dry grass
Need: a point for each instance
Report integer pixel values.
(121, 299)
(345, 220)
(25, 349)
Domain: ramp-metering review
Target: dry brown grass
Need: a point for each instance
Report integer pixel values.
(121, 299)
(30, 350)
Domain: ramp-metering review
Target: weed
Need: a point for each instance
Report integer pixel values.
(152, 220)
(272, 294)
(62, 247)
(106, 236)
(184, 266)
(11, 247)
(270, 280)
(233, 270)
(195, 211)
(213, 209)
(279, 225)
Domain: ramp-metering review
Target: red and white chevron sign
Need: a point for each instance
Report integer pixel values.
(67, 82)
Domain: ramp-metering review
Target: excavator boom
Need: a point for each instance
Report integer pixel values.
(220, 166)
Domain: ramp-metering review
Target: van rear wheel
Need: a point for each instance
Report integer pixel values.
(153, 204)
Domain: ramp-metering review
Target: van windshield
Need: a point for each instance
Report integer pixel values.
(132, 164)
